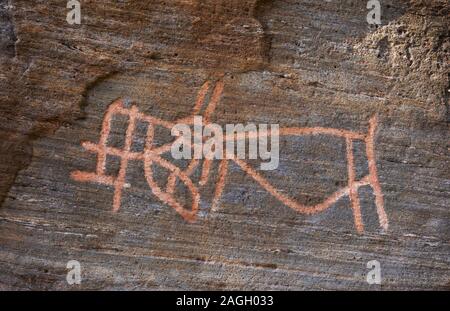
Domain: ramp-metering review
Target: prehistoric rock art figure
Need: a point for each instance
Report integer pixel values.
(152, 155)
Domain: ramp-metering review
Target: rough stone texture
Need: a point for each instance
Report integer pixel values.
(293, 62)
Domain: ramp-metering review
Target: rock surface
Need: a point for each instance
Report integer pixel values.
(297, 63)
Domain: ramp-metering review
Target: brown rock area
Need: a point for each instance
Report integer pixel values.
(296, 63)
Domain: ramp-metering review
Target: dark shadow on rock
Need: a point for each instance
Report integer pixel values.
(7, 32)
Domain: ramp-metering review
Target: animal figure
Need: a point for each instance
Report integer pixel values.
(152, 155)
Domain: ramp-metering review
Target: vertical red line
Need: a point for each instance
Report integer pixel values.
(353, 191)
(223, 170)
(104, 134)
(206, 168)
(215, 98)
(373, 173)
(120, 180)
(218, 90)
(201, 98)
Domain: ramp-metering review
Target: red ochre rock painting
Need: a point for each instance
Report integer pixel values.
(152, 155)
